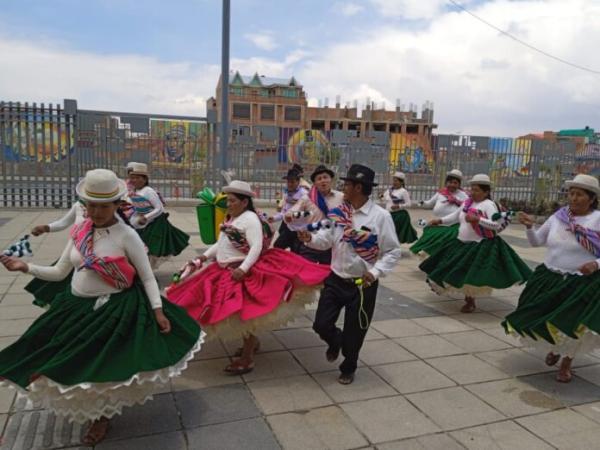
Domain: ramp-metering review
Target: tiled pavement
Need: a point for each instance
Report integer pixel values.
(430, 378)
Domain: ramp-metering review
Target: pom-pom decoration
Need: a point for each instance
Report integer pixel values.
(20, 248)
(422, 223)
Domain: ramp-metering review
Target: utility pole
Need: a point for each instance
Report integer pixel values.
(224, 135)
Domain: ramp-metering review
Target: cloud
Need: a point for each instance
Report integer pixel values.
(409, 9)
(347, 9)
(480, 81)
(264, 40)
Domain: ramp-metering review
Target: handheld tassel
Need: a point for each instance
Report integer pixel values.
(422, 223)
(20, 248)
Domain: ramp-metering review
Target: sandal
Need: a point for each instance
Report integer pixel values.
(564, 377)
(552, 359)
(346, 378)
(240, 350)
(239, 368)
(96, 432)
(468, 307)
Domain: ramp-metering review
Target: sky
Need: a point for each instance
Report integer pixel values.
(161, 56)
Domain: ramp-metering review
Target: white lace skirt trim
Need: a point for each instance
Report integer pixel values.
(467, 290)
(90, 401)
(234, 328)
(588, 342)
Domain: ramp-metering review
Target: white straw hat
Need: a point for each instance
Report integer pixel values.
(239, 187)
(481, 178)
(399, 175)
(137, 168)
(455, 173)
(101, 186)
(587, 182)
(130, 165)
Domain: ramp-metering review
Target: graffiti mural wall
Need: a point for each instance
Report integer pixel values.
(411, 153)
(177, 142)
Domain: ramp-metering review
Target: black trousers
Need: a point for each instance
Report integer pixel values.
(287, 239)
(340, 293)
(316, 256)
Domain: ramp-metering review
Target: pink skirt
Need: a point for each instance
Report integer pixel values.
(277, 288)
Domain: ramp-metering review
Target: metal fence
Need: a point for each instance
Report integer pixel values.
(45, 149)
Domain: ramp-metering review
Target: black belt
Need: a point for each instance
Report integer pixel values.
(346, 280)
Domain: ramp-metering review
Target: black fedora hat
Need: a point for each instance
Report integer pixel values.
(360, 174)
(291, 174)
(298, 168)
(321, 169)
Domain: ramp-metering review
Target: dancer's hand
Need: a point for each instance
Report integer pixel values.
(525, 219)
(395, 207)
(368, 279)
(40, 229)
(163, 323)
(434, 222)
(304, 236)
(238, 274)
(472, 218)
(589, 268)
(287, 218)
(13, 264)
(142, 220)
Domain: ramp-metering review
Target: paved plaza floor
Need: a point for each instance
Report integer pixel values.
(429, 378)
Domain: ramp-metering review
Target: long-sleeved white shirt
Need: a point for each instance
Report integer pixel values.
(564, 254)
(345, 262)
(466, 233)
(441, 207)
(116, 240)
(224, 251)
(398, 193)
(150, 203)
(76, 215)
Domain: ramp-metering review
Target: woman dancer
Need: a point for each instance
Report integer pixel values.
(446, 201)
(559, 306)
(478, 260)
(248, 288)
(109, 340)
(150, 219)
(396, 200)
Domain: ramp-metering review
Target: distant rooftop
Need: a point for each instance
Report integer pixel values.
(236, 79)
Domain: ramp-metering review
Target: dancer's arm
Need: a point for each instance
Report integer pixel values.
(136, 253)
(65, 221)
(58, 271)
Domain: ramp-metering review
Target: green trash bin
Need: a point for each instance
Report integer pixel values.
(205, 212)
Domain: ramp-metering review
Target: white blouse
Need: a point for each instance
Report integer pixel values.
(564, 254)
(116, 240)
(398, 193)
(466, 233)
(76, 215)
(224, 251)
(157, 207)
(441, 207)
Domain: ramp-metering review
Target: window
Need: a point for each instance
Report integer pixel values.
(267, 112)
(292, 93)
(264, 92)
(236, 90)
(292, 113)
(241, 110)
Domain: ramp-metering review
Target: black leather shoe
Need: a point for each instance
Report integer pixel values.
(332, 354)
(346, 378)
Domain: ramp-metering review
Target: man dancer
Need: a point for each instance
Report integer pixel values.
(294, 192)
(365, 247)
(319, 200)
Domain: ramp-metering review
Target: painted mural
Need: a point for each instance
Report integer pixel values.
(411, 153)
(37, 139)
(511, 157)
(306, 146)
(177, 142)
(587, 159)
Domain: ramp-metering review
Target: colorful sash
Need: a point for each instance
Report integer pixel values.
(141, 204)
(450, 196)
(115, 271)
(317, 198)
(586, 237)
(238, 238)
(363, 242)
(481, 231)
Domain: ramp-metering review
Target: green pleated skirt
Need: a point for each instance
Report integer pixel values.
(555, 306)
(404, 229)
(85, 360)
(434, 238)
(475, 268)
(162, 238)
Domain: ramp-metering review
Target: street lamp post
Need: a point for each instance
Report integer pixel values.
(224, 135)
